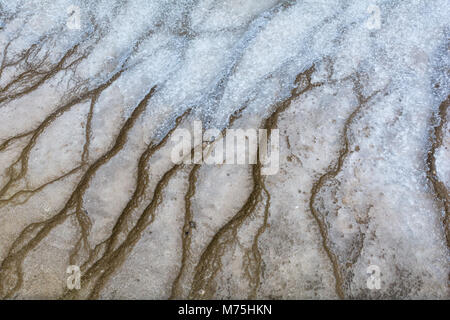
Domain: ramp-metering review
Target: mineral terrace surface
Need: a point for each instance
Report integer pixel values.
(92, 93)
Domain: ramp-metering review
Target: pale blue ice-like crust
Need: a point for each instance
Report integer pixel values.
(217, 57)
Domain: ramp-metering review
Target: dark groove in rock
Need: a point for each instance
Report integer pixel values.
(210, 264)
(11, 277)
(440, 189)
(331, 173)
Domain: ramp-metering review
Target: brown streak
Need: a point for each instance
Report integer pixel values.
(440, 189)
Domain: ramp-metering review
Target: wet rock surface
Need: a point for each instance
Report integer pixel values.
(92, 94)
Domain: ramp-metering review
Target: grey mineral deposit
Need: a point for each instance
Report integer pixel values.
(353, 96)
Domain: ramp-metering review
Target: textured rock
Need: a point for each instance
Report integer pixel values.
(91, 93)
